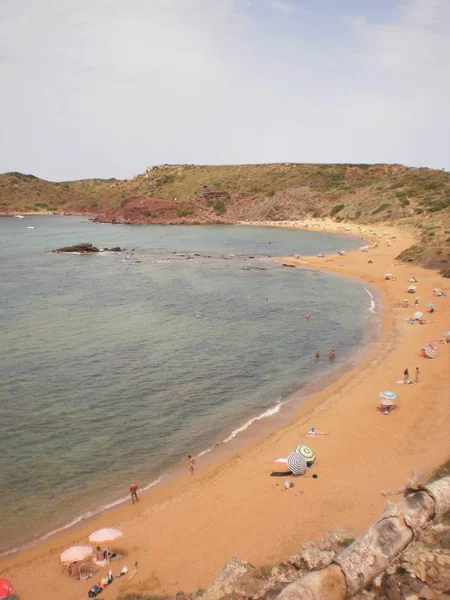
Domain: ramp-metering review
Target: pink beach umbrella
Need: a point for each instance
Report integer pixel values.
(6, 587)
(76, 553)
(107, 534)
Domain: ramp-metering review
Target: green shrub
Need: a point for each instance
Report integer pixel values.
(219, 207)
(346, 543)
(356, 216)
(52, 208)
(186, 210)
(337, 208)
(382, 207)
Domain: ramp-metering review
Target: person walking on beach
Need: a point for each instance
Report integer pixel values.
(191, 464)
(317, 353)
(133, 492)
(405, 376)
(417, 375)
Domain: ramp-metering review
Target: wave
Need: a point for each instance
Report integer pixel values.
(273, 410)
(84, 516)
(371, 308)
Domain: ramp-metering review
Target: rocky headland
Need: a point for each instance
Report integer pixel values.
(417, 198)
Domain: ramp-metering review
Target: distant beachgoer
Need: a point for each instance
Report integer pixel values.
(74, 569)
(191, 464)
(133, 492)
(308, 316)
(332, 354)
(431, 310)
(313, 432)
(417, 375)
(317, 353)
(405, 376)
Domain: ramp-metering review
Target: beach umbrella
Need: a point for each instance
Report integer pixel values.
(296, 463)
(76, 553)
(431, 352)
(6, 587)
(411, 288)
(106, 534)
(388, 395)
(430, 304)
(447, 334)
(417, 315)
(388, 275)
(307, 453)
(413, 279)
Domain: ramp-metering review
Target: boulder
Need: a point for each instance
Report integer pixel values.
(83, 248)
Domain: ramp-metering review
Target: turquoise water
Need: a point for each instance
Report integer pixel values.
(114, 369)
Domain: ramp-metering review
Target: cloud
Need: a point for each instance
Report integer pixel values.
(282, 5)
(101, 88)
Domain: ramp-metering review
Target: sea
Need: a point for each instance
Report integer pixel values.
(115, 366)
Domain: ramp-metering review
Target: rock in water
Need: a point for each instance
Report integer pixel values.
(83, 248)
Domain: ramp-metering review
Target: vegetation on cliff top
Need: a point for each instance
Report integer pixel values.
(417, 197)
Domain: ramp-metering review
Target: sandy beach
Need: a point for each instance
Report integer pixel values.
(182, 533)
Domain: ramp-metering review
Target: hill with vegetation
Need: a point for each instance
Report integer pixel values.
(395, 194)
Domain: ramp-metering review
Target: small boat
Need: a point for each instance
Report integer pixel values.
(31, 227)
(19, 216)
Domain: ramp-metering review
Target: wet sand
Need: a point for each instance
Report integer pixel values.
(182, 533)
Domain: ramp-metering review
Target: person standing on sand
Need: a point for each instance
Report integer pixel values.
(417, 375)
(317, 353)
(405, 376)
(133, 492)
(191, 464)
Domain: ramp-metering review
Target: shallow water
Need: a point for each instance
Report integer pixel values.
(114, 369)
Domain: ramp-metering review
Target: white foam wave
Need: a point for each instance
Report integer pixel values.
(371, 308)
(78, 519)
(273, 410)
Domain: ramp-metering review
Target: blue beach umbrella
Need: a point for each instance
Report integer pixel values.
(388, 395)
(430, 304)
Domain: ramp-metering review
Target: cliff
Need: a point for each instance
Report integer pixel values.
(414, 197)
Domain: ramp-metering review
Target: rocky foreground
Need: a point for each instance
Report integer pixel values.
(404, 556)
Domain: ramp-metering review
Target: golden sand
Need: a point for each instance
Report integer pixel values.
(183, 532)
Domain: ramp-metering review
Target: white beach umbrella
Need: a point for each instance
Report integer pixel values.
(107, 534)
(388, 395)
(296, 463)
(76, 553)
(418, 315)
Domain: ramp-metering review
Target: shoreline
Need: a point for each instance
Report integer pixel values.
(240, 438)
(191, 508)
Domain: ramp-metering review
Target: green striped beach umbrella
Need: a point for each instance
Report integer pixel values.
(307, 453)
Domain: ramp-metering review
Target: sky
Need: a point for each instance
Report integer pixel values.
(105, 88)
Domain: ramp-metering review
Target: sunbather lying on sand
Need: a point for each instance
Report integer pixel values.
(314, 433)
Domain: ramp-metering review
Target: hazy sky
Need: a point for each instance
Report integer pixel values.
(107, 87)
